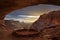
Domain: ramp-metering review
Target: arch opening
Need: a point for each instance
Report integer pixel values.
(28, 15)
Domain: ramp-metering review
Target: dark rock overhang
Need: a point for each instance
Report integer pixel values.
(7, 6)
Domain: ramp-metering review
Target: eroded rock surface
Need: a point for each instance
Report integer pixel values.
(47, 20)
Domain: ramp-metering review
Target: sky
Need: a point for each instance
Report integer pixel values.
(31, 13)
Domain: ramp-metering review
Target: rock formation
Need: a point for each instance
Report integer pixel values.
(7, 6)
(52, 33)
(47, 20)
(48, 25)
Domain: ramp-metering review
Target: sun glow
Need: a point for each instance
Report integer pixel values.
(28, 19)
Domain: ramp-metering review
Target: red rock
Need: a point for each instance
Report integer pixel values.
(47, 20)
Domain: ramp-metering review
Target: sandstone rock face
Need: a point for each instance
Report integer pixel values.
(48, 25)
(52, 33)
(47, 20)
(3, 27)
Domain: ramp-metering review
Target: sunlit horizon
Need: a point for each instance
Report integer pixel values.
(27, 19)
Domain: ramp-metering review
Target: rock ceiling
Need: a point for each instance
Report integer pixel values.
(7, 6)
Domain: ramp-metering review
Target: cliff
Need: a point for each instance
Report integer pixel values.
(47, 20)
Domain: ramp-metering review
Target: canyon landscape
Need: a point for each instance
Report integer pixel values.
(47, 27)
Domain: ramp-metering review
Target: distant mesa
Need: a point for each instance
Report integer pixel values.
(14, 25)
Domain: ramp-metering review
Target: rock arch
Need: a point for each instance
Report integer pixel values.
(7, 6)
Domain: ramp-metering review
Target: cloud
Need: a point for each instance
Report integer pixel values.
(21, 16)
(24, 18)
(27, 16)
